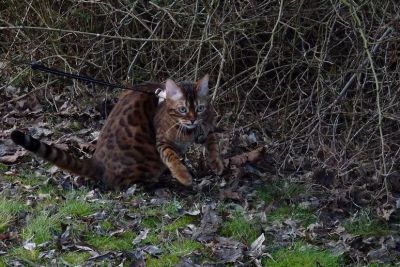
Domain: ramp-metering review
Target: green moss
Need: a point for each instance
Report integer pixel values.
(122, 242)
(241, 228)
(364, 225)
(9, 209)
(164, 261)
(76, 258)
(178, 223)
(154, 216)
(301, 255)
(151, 222)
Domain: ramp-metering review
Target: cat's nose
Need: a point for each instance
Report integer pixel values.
(193, 121)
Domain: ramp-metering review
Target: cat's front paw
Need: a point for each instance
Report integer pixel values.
(183, 176)
(217, 166)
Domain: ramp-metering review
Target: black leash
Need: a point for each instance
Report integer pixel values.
(38, 67)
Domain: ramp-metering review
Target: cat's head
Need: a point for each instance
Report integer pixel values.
(187, 102)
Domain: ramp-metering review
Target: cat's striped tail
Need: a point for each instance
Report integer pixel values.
(55, 155)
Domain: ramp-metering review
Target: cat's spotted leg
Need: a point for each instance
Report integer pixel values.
(214, 158)
(172, 161)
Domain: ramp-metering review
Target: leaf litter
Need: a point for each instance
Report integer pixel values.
(120, 216)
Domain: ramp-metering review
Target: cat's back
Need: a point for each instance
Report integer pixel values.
(126, 146)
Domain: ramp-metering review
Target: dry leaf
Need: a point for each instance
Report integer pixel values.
(257, 247)
(240, 160)
(13, 158)
(226, 249)
(141, 236)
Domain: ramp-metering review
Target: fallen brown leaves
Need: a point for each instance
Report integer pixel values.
(241, 159)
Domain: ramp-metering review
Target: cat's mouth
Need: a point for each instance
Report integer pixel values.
(190, 126)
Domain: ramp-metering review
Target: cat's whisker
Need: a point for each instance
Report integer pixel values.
(180, 131)
(177, 132)
(176, 123)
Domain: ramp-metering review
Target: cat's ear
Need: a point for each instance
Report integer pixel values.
(173, 91)
(202, 86)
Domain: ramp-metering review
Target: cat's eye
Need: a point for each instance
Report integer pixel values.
(200, 108)
(182, 109)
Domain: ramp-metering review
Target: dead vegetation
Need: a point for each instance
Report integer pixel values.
(314, 83)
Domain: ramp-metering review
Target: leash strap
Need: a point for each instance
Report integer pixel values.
(38, 67)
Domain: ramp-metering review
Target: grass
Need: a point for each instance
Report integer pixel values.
(366, 225)
(151, 222)
(78, 208)
(164, 222)
(171, 208)
(42, 227)
(282, 194)
(75, 258)
(47, 189)
(27, 181)
(280, 190)
(9, 209)
(45, 221)
(151, 239)
(178, 223)
(107, 243)
(301, 255)
(241, 228)
(106, 225)
(304, 215)
(173, 252)
(3, 167)
(27, 256)
(155, 217)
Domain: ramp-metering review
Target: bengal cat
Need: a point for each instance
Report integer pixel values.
(141, 137)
